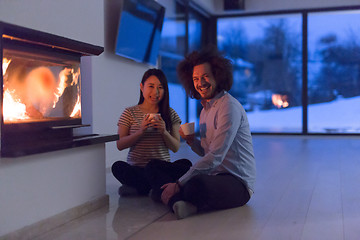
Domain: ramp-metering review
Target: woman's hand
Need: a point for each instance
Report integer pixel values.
(145, 124)
(170, 189)
(159, 124)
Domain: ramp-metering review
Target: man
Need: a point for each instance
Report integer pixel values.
(225, 175)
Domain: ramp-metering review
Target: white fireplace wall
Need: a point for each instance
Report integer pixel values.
(37, 187)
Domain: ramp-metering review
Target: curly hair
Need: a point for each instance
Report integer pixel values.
(221, 68)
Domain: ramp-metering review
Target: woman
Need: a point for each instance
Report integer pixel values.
(149, 139)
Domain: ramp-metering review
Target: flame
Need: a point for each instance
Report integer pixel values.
(77, 108)
(40, 91)
(13, 109)
(280, 101)
(63, 76)
(5, 65)
(62, 84)
(75, 77)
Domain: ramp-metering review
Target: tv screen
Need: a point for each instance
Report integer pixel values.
(139, 30)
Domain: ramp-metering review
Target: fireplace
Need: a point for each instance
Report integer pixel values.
(40, 90)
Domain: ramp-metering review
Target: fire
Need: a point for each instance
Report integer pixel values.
(77, 108)
(5, 64)
(62, 84)
(63, 77)
(75, 77)
(13, 109)
(33, 95)
(280, 101)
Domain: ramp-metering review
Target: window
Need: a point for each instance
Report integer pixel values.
(295, 72)
(183, 31)
(172, 51)
(334, 72)
(197, 39)
(284, 90)
(267, 63)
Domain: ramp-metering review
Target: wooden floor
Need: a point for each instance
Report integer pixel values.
(307, 188)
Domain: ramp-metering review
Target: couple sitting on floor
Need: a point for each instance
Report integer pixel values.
(224, 176)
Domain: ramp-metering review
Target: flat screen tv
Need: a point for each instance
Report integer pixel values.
(139, 30)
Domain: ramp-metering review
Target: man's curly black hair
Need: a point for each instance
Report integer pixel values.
(221, 68)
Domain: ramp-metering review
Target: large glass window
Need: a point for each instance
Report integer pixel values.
(334, 72)
(267, 60)
(172, 50)
(197, 40)
(183, 31)
(283, 87)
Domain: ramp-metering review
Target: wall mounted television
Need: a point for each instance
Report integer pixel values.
(139, 31)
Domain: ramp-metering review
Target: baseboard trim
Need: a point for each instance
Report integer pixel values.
(57, 220)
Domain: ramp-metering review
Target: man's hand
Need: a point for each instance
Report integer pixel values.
(170, 189)
(188, 138)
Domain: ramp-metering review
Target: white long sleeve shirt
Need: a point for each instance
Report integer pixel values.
(226, 142)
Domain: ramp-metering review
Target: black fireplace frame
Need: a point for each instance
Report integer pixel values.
(19, 139)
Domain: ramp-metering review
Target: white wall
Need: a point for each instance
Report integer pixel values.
(116, 82)
(37, 187)
(80, 20)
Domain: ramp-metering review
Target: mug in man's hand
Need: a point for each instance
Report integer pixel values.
(188, 128)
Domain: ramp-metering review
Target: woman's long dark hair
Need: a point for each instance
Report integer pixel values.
(221, 68)
(164, 107)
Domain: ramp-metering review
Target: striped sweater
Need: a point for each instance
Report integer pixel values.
(151, 145)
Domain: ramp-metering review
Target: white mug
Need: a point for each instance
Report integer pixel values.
(188, 128)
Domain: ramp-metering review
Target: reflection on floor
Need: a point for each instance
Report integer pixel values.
(307, 188)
